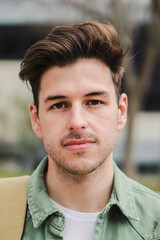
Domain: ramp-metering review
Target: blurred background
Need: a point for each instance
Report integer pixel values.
(23, 22)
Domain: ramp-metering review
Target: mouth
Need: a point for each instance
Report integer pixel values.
(79, 145)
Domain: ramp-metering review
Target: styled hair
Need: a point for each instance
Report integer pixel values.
(64, 45)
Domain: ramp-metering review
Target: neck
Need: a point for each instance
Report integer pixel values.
(83, 193)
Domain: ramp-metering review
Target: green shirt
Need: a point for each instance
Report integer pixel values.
(133, 211)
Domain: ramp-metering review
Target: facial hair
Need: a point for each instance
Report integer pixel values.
(62, 165)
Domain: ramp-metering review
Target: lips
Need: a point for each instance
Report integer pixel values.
(79, 145)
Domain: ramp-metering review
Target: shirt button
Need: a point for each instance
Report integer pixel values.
(59, 219)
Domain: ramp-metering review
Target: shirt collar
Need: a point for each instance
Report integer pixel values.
(39, 204)
(123, 195)
(41, 207)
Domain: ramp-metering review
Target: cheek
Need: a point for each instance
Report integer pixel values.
(106, 120)
(106, 129)
(53, 128)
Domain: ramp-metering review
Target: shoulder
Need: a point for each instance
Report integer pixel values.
(10, 183)
(13, 179)
(13, 200)
(144, 195)
(12, 187)
(147, 204)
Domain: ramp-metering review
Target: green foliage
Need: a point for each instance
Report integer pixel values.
(23, 125)
(26, 150)
(3, 117)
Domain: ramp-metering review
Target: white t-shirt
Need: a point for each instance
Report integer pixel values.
(79, 225)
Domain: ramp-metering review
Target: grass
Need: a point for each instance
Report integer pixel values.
(7, 173)
(153, 185)
(150, 181)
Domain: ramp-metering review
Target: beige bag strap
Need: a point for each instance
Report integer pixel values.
(13, 200)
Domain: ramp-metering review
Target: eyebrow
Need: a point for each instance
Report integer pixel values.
(56, 97)
(97, 93)
(91, 94)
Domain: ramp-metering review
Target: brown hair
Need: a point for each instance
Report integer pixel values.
(66, 44)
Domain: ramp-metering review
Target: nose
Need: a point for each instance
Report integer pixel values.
(77, 119)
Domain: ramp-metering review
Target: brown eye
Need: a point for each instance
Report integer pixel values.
(60, 105)
(94, 102)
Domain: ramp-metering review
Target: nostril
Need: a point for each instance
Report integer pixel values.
(76, 125)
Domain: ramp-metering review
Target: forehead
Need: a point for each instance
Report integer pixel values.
(84, 76)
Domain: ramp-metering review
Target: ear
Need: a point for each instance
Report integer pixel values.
(35, 120)
(122, 111)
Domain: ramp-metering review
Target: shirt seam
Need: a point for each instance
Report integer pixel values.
(147, 192)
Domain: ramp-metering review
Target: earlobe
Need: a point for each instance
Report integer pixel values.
(122, 111)
(35, 120)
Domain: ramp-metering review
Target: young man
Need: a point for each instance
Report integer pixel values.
(77, 192)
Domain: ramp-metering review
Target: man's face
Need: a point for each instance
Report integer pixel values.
(79, 117)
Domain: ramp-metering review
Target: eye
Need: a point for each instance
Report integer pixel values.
(94, 102)
(59, 105)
